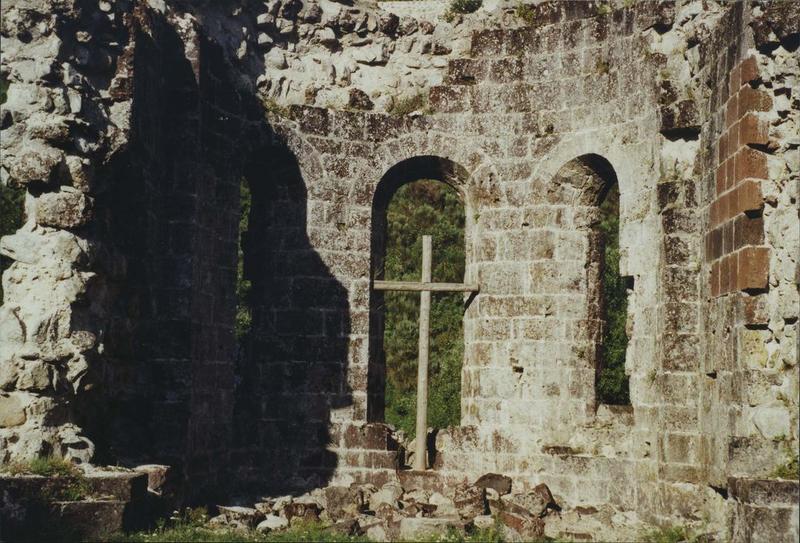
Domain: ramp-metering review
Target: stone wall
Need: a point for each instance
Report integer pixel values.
(687, 107)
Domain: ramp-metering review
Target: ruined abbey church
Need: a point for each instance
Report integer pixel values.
(133, 124)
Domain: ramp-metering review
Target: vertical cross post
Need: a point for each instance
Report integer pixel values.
(420, 455)
(424, 287)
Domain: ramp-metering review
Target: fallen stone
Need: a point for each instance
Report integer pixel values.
(418, 495)
(158, 478)
(235, 514)
(544, 492)
(483, 522)
(526, 526)
(272, 523)
(500, 483)
(365, 522)
(389, 493)
(445, 507)
(339, 502)
(469, 501)
(388, 513)
(347, 527)
(307, 511)
(280, 504)
(533, 503)
(378, 532)
(265, 508)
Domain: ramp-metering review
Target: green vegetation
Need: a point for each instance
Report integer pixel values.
(66, 481)
(424, 207)
(244, 317)
(604, 9)
(672, 534)
(493, 534)
(271, 106)
(11, 203)
(612, 383)
(406, 106)
(46, 466)
(192, 525)
(789, 470)
(526, 12)
(460, 7)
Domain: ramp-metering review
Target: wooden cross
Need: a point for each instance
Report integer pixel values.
(424, 287)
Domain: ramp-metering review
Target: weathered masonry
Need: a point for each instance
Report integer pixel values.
(134, 125)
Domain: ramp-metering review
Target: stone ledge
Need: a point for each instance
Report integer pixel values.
(764, 492)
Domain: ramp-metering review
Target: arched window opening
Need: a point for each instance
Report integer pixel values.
(612, 383)
(417, 208)
(589, 183)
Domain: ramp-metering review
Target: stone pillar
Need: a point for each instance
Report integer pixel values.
(54, 125)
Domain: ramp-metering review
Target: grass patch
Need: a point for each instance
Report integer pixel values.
(672, 534)
(526, 13)
(191, 526)
(66, 483)
(406, 106)
(46, 466)
(461, 7)
(789, 470)
(604, 9)
(274, 108)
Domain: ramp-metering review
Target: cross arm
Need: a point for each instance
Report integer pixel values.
(415, 286)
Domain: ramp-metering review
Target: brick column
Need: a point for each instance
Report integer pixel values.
(735, 244)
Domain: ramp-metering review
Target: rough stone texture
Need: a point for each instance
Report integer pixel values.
(765, 510)
(132, 127)
(115, 501)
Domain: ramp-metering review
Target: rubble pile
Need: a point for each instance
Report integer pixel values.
(392, 513)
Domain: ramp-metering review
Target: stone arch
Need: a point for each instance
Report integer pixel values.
(404, 172)
(585, 180)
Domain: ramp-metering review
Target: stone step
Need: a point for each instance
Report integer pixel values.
(429, 480)
(34, 506)
(123, 486)
(93, 520)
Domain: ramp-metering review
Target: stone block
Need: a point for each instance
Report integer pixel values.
(750, 99)
(464, 71)
(752, 309)
(750, 164)
(448, 99)
(753, 130)
(122, 486)
(753, 268)
(12, 410)
(68, 208)
(748, 231)
(748, 196)
(748, 70)
(487, 43)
